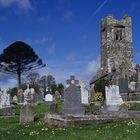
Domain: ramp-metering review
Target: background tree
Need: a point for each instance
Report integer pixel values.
(18, 58)
(47, 82)
(33, 79)
(60, 88)
(12, 91)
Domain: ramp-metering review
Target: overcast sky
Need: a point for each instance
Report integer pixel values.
(64, 33)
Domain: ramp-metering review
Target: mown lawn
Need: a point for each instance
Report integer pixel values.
(11, 129)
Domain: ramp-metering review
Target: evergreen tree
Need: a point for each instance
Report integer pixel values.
(19, 58)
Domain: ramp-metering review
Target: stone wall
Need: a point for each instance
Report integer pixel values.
(116, 48)
(131, 96)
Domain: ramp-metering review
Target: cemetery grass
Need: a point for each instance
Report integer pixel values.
(11, 129)
(134, 106)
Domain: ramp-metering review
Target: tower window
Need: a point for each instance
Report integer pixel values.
(118, 35)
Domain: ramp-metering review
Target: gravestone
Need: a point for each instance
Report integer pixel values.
(48, 98)
(123, 85)
(72, 98)
(41, 96)
(26, 113)
(15, 99)
(53, 108)
(84, 93)
(132, 86)
(138, 78)
(34, 96)
(26, 110)
(113, 98)
(28, 95)
(20, 96)
(4, 99)
(57, 97)
(8, 111)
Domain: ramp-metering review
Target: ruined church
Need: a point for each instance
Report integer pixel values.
(116, 54)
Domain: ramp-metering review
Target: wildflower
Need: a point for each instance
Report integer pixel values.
(27, 126)
(52, 132)
(127, 131)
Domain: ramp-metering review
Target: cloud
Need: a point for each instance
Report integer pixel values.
(21, 4)
(67, 16)
(7, 80)
(41, 40)
(92, 67)
(44, 19)
(99, 8)
(52, 49)
(71, 56)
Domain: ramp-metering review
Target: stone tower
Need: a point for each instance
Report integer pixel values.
(116, 45)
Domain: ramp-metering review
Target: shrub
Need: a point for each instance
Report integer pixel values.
(99, 97)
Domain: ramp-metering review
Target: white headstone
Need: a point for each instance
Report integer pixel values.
(15, 99)
(4, 99)
(84, 93)
(27, 95)
(48, 98)
(113, 98)
(32, 90)
(132, 86)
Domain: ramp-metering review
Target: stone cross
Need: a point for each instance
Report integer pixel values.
(72, 98)
(72, 81)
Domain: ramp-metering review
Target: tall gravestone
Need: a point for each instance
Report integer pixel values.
(138, 78)
(72, 98)
(84, 93)
(20, 96)
(26, 110)
(4, 99)
(123, 85)
(5, 103)
(113, 98)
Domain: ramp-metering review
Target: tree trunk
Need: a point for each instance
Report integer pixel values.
(18, 78)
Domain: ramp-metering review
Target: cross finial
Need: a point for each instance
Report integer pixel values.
(72, 81)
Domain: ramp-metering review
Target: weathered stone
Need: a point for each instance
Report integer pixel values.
(84, 93)
(113, 98)
(116, 49)
(4, 99)
(57, 97)
(72, 99)
(26, 113)
(20, 96)
(123, 85)
(53, 108)
(15, 99)
(8, 111)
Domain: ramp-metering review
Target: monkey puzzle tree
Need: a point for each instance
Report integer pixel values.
(19, 58)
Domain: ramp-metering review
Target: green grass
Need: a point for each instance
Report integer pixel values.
(134, 106)
(10, 129)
